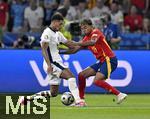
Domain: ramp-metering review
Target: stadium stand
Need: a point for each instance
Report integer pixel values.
(137, 40)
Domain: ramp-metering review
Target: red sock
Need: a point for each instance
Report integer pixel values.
(82, 85)
(106, 86)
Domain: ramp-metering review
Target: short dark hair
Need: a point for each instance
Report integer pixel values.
(86, 22)
(62, 11)
(57, 16)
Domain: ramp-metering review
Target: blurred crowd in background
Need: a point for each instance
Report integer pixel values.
(113, 17)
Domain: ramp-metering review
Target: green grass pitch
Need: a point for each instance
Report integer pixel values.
(102, 107)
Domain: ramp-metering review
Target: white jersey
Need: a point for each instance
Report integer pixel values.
(54, 39)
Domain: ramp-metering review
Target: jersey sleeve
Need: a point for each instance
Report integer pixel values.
(45, 36)
(98, 35)
(95, 35)
(61, 38)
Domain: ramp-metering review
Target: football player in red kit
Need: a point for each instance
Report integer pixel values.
(94, 40)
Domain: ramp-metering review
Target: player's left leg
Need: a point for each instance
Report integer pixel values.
(67, 74)
(47, 94)
(54, 85)
(99, 81)
(103, 73)
(38, 95)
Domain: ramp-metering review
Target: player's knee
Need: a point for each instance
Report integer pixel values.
(81, 74)
(54, 94)
(98, 80)
(95, 79)
(70, 75)
(66, 74)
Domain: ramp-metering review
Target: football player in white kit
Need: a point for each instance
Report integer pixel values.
(53, 64)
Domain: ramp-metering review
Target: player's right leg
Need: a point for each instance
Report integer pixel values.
(82, 80)
(67, 74)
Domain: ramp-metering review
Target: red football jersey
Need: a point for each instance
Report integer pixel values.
(101, 49)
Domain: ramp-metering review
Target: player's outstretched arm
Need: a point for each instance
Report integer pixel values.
(90, 42)
(72, 50)
(72, 44)
(86, 43)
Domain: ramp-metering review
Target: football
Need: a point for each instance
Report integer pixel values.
(67, 98)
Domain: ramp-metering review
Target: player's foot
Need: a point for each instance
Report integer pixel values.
(81, 103)
(121, 97)
(23, 100)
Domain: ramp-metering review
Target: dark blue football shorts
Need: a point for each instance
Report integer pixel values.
(107, 67)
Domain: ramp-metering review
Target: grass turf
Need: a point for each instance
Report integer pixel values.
(99, 107)
(102, 107)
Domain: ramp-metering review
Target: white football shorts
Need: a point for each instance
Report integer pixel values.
(54, 77)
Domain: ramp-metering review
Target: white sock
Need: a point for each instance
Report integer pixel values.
(40, 95)
(73, 88)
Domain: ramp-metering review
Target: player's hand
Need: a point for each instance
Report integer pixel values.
(49, 69)
(71, 44)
